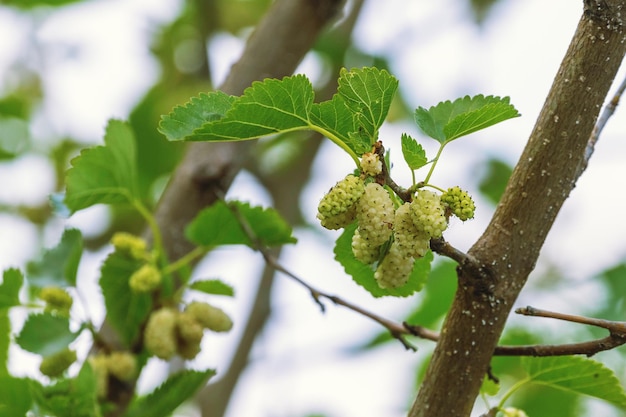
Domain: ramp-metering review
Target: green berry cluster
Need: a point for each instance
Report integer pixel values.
(147, 278)
(169, 331)
(337, 208)
(134, 246)
(459, 203)
(119, 364)
(54, 365)
(57, 300)
(428, 213)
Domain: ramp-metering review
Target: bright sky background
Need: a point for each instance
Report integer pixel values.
(301, 363)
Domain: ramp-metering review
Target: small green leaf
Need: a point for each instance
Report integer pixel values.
(368, 92)
(364, 274)
(578, 375)
(5, 342)
(15, 398)
(266, 108)
(414, 154)
(12, 280)
(45, 334)
(126, 310)
(104, 174)
(450, 120)
(205, 108)
(213, 286)
(58, 266)
(218, 225)
(70, 397)
(494, 179)
(169, 395)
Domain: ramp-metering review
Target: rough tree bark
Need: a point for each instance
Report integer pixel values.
(499, 263)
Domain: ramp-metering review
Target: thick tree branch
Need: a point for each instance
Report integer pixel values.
(543, 178)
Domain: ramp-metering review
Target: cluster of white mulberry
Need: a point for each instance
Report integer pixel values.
(387, 236)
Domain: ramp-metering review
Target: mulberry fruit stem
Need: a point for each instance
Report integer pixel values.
(434, 163)
(336, 141)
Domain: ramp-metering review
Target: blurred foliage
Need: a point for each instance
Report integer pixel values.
(494, 178)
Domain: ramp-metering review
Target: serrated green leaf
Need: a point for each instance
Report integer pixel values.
(59, 265)
(414, 154)
(5, 342)
(15, 398)
(12, 280)
(335, 117)
(364, 275)
(266, 108)
(213, 286)
(205, 108)
(578, 375)
(126, 309)
(69, 397)
(368, 92)
(104, 174)
(169, 395)
(450, 120)
(218, 225)
(45, 334)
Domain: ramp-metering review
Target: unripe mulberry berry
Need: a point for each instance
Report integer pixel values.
(409, 239)
(57, 300)
(99, 364)
(160, 333)
(459, 202)
(135, 246)
(210, 317)
(514, 412)
(145, 279)
(428, 213)
(189, 328)
(375, 213)
(363, 249)
(340, 220)
(122, 365)
(340, 198)
(371, 164)
(54, 365)
(395, 268)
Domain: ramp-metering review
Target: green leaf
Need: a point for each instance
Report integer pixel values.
(213, 286)
(450, 120)
(171, 394)
(266, 108)
(578, 375)
(494, 180)
(335, 117)
(12, 280)
(70, 397)
(45, 334)
(15, 398)
(104, 174)
(58, 266)
(364, 274)
(414, 154)
(205, 108)
(5, 342)
(368, 92)
(126, 309)
(218, 225)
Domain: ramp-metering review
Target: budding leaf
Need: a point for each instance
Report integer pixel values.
(58, 266)
(213, 287)
(450, 120)
(126, 309)
(219, 225)
(368, 92)
(104, 174)
(364, 274)
(414, 154)
(181, 122)
(45, 334)
(577, 375)
(168, 396)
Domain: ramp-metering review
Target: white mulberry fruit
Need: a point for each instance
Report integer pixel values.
(135, 246)
(210, 317)
(428, 213)
(340, 200)
(340, 220)
(363, 249)
(160, 333)
(375, 213)
(409, 239)
(395, 268)
(371, 164)
(459, 202)
(122, 365)
(57, 300)
(57, 363)
(145, 279)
